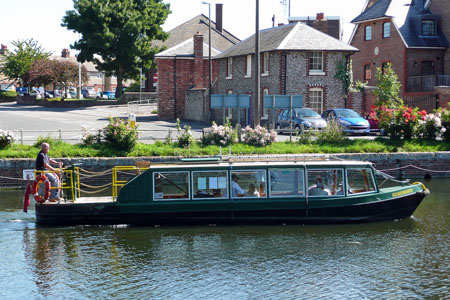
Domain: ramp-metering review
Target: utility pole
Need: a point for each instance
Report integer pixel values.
(257, 101)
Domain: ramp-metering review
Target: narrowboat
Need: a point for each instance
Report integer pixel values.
(239, 191)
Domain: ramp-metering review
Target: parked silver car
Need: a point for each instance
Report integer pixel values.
(308, 117)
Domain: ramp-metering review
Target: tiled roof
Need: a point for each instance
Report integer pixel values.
(199, 24)
(296, 36)
(407, 15)
(186, 48)
(378, 10)
(412, 28)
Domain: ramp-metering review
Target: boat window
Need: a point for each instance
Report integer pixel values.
(360, 180)
(209, 184)
(286, 182)
(171, 185)
(248, 183)
(325, 182)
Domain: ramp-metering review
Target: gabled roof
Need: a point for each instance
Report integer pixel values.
(186, 49)
(407, 15)
(296, 36)
(199, 24)
(376, 11)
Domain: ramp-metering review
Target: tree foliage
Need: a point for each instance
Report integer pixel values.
(388, 87)
(19, 61)
(120, 32)
(64, 73)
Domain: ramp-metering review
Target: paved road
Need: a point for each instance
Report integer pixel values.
(42, 121)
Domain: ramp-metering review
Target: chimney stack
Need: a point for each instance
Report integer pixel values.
(219, 17)
(65, 53)
(198, 60)
(320, 16)
(4, 50)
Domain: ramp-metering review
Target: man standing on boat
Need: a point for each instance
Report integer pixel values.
(43, 163)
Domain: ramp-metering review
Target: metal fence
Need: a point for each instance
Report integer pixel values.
(426, 83)
(141, 107)
(422, 102)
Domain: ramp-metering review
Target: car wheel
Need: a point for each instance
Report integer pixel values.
(297, 130)
(278, 128)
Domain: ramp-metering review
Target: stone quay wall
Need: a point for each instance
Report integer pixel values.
(11, 169)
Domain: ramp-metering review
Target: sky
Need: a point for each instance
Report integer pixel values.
(41, 19)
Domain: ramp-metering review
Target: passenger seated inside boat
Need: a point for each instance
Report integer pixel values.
(360, 180)
(319, 189)
(252, 192)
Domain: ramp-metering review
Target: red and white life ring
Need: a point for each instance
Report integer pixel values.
(41, 178)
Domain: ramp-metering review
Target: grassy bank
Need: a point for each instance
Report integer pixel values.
(379, 145)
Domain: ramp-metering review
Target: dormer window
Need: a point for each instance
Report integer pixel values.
(428, 28)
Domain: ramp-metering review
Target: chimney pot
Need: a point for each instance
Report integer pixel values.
(320, 16)
(65, 53)
(280, 24)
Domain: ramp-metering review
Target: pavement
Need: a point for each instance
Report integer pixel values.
(67, 123)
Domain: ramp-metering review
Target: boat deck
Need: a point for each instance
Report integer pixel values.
(84, 200)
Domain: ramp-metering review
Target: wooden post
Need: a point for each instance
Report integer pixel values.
(290, 120)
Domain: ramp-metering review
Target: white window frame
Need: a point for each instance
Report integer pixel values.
(209, 198)
(386, 30)
(316, 61)
(265, 110)
(243, 171)
(248, 70)
(229, 68)
(172, 199)
(265, 71)
(269, 190)
(362, 193)
(99, 75)
(325, 169)
(321, 99)
(368, 33)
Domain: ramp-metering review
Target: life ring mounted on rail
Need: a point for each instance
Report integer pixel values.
(41, 178)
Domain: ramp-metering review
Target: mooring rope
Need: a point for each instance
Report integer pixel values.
(95, 186)
(92, 192)
(419, 168)
(97, 173)
(11, 178)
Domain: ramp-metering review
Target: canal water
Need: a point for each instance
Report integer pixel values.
(406, 259)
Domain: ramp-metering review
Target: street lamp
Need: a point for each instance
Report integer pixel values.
(209, 45)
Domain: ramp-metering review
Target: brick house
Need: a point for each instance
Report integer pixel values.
(411, 35)
(330, 25)
(295, 59)
(221, 38)
(183, 69)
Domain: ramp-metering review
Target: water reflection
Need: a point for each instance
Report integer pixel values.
(395, 260)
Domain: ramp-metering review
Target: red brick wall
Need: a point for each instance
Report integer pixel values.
(391, 50)
(416, 56)
(442, 8)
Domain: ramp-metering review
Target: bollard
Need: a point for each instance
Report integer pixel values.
(132, 120)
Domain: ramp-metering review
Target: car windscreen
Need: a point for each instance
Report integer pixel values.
(347, 114)
(306, 113)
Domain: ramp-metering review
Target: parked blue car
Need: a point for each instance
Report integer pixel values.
(109, 94)
(350, 120)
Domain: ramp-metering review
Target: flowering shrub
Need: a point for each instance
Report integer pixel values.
(332, 133)
(430, 127)
(222, 135)
(119, 134)
(88, 138)
(185, 139)
(7, 138)
(258, 136)
(400, 122)
(445, 122)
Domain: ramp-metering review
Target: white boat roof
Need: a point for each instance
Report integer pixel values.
(260, 163)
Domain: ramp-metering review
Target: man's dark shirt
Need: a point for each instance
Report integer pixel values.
(40, 160)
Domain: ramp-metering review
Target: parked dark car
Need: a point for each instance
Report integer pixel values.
(349, 119)
(88, 93)
(308, 117)
(52, 94)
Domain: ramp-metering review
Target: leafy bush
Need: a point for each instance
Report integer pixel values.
(8, 94)
(399, 122)
(45, 139)
(445, 122)
(259, 136)
(222, 135)
(185, 138)
(7, 138)
(332, 133)
(119, 134)
(88, 138)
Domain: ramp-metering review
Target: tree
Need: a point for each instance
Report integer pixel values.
(388, 87)
(63, 73)
(120, 32)
(18, 62)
